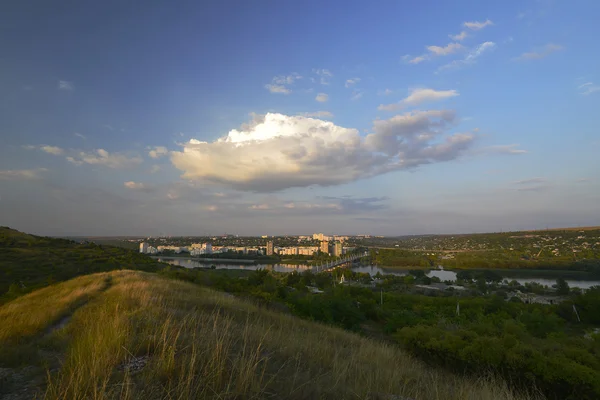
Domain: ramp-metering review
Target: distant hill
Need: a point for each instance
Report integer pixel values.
(28, 262)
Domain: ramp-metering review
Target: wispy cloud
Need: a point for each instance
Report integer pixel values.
(322, 97)
(21, 174)
(356, 94)
(138, 186)
(419, 96)
(504, 149)
(324, 75)
(158, 151)
(471, 58)
(588, 88)
(459, 36)
(385, 92)
(477, 25)
(433, 51)
(57, 151)
(533, 188)
(351, 82)
(277, 89)
(66, 85)
(530, 181)
(450, 48)
(278, 83)
(104, 158)
(79, 135)
(541, 52)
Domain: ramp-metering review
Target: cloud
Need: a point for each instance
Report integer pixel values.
(287, 80)
(419, 96)
(530, 181)
(476, 25)
(278, 89)
(434, 51)
(588, 88)
(154, 169)
(541, 52)
(275, 151)
(322, 97)
(504, 149)
(459, 37)
(79, 135)
(104, 158)
(278, 83)
(533, 188)
(356, 94)
(582, 180)
(351, 82)
(318, 114)
(158, 152)
(385, 92)
(450, 48)
(358, 204)
(324, 75)
(66, 85)
(135, 185)
(471, 57)
(320, 205)
(21, 174)
(415, 60)
(57, 151)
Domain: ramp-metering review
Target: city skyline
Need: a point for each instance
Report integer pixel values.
(387, 119)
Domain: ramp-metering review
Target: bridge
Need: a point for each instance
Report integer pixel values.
(337, 262)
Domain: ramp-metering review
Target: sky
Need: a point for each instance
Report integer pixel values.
(288, 117)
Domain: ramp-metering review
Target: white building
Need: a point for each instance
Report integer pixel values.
(143, 247)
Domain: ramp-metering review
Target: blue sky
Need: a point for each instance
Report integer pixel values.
(268, 117)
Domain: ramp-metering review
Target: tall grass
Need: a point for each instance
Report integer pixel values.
(198, 343)
(34, 314)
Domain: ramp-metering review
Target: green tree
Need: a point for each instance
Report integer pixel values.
(562, 287)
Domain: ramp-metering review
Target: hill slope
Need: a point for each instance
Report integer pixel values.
(127, 334)
(28, 262)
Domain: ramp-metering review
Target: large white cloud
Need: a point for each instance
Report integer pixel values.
(276, 151)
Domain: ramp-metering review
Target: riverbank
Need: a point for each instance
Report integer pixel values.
(211, 260)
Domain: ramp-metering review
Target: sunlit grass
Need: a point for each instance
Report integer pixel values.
(198, 343)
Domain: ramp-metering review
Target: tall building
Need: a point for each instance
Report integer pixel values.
(338, 249)
(270, 248)
(325, 246)
(143, 247)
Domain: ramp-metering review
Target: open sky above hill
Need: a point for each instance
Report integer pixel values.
(270, 117)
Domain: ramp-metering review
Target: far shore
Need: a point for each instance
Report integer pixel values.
(214, 260)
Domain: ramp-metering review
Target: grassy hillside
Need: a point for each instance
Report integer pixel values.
(28, 262)
(126, 334)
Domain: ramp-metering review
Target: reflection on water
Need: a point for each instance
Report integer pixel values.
(372, 270)
(190, 263)
(451, 276)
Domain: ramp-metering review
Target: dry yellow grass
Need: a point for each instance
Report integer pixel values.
(37, 311)
(197, 343)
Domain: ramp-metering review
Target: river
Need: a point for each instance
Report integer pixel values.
(372, 270)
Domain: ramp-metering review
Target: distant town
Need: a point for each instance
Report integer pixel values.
(305, 246)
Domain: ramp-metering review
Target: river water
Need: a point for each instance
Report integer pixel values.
(372, 270)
